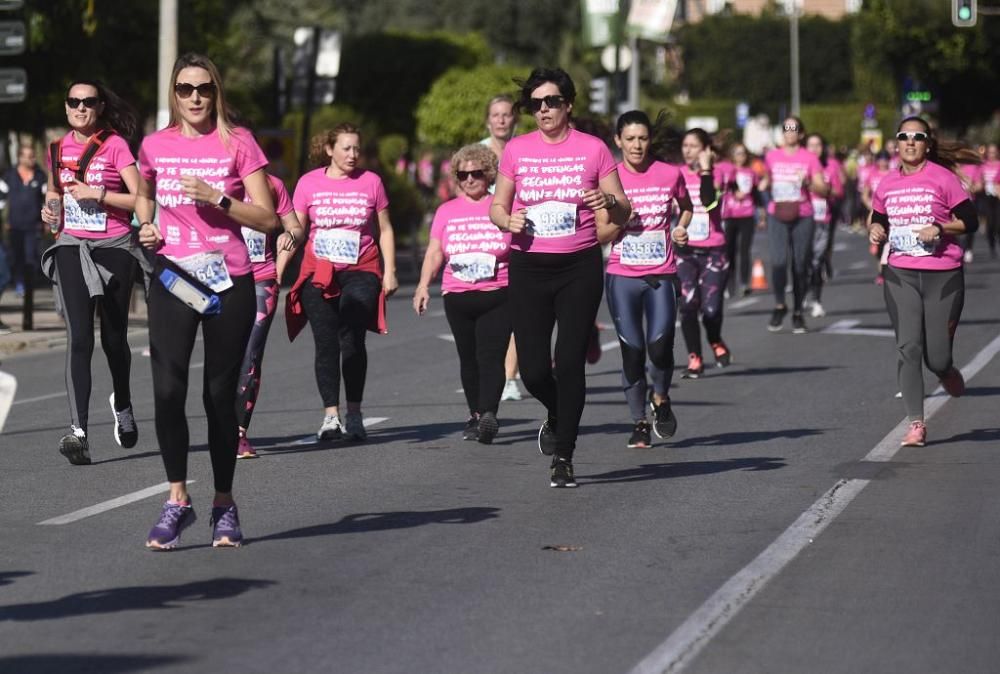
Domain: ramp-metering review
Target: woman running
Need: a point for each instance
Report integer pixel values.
(347, 273)
(475, 258)
(96, 258)
(972, 178)
(641, 276)
(793, 172)
(920, 210)
(702, 264)
(264, 249)
(738, 207)
(207, 178)
(554, 185)
(823, 210)
(990, 201)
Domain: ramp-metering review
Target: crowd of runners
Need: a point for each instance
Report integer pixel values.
(538, 228)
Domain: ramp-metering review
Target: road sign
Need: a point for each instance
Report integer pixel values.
(742, 114)
(963, 13)
(12, 38)
(13, 85)
(599, 95)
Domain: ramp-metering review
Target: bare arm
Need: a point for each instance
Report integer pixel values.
(288, 242)
(503, 200)
(387, 244)
(258, 215)
(433, 259)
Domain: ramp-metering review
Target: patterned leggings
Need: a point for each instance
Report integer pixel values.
(702, 273)
(250, 370)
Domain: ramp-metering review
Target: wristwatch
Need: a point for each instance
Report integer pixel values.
(224, 203)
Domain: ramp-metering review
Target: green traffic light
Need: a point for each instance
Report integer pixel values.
(964, 13)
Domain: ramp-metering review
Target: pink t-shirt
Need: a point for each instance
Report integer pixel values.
(88, 220)
(745, 180)
(476, 253)
(342, 213)
(822, 211)
(190, 228)
(972, 173)
(864, 171)
(260, 246)
(913, 202)
(705, 228)
(548, 180)
(789, 174)
(991, 177)
(644, 247)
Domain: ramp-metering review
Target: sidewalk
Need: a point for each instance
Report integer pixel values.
(48, 331)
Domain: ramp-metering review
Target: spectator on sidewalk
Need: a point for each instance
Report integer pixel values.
(22, 190)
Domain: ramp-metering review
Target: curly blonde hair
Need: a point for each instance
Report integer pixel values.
(317, 147)
(475, 153)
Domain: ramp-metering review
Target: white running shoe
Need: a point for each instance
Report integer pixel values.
(354, 427)
(511, 391)
(817, 310)
(331, 429)
(967, 257)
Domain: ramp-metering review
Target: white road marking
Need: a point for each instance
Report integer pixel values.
(682, 647)
(110, 505)
(860, 264)
(846, 327)
(745, 302)
(8, 388)
(447, 338)
(839, 247)
(311, 439)
(48, 396)
(607, 346)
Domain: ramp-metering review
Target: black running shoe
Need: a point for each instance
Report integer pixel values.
(777, 318)
(547, 438)
(75, 448)
(798, 324)
(640, 438)
(562, 473)
(471, 431)
(488, 428)
(664, 421)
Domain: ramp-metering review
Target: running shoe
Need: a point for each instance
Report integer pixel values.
(777, 318)
(126, 433)
(640, 438)
(798, 324)
(817, 310)
(226, 531)
(664, 421)
(354, 427)
(723, 357)
(471, 431)
(879, 280)
(967, 257)
(174, 518)
(547, 438)
(953, 383)
(488, 427)
(511, 391)
(746, 292)
(594, 345)
(74, 447)
(561, 473)
(244, 450)
(695, 367)
(331, 429)
(916, 436)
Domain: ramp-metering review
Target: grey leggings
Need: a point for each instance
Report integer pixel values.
(924, 307)
(800, 235)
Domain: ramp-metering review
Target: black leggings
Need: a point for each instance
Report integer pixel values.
(546, 288)
(78, 311)
(339, 326)
(253, 359)
(173, 327)
(739, 239)
(480, 322)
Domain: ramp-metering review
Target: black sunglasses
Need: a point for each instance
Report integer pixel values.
(184, 90)
(478, 174)
(553, 101)
(915, 136)
(88, 102)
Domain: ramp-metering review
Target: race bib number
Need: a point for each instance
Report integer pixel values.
(88, 216)
(552, 219)
(473, 267)
(209, 268)
(991, 189)
(820, 208)
(786, 190)
(698, 229)
(903, 241)
(644, 249)
(338, 245)
(744, 182)
(256, 243)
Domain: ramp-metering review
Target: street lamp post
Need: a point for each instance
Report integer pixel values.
(793, 25)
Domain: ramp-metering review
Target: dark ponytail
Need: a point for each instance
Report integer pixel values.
(118, 115)
(944, 152)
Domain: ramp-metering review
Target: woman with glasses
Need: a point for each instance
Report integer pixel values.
(475, 258)
(206, 177)
(555, 186)
(96, 258)
(793, 172)
(921, 209)
(824, 207)
(348, 271)
(738, 207)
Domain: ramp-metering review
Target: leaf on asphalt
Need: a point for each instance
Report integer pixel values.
(563, 548)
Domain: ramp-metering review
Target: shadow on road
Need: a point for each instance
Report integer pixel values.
(663, 471)
(140, 597)
(7, 577)
(745, 437)
(977, 435)
(753, 371)
(404, 519)
(85, 663)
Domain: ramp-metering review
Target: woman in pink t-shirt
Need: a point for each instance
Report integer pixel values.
(207, 178)
(824, 206)
(95, 260)
(475, 257)
(990, 203)
(920, 210)
(556, 186)
(793, 172)
(738, 210)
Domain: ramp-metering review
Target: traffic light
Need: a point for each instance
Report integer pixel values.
(599, 96)
(963, 13)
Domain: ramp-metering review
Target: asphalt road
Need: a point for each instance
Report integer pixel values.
(765, 537)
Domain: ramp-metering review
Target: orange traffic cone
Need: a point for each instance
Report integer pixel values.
(758, 277)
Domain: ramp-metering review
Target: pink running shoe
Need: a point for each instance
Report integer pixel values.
(953, 383)
(244, 450)
(916, 436)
